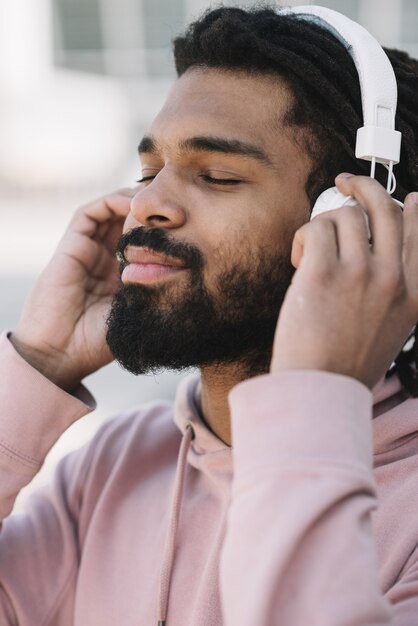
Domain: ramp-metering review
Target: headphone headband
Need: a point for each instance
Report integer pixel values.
(377, 140)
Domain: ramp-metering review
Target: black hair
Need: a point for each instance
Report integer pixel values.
(326, 110)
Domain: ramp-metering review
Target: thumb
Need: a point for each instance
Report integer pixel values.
(298, 246)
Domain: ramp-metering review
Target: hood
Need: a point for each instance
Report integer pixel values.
(207, 452)
(395, 416)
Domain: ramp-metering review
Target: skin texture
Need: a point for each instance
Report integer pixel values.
(350, 306)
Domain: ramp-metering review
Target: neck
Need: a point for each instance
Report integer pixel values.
(217, 381)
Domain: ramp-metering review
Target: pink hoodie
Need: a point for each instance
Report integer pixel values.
(147, 524)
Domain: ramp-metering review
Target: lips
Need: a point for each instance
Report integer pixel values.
(146, 266)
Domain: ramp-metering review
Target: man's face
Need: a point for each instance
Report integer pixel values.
(224, 191)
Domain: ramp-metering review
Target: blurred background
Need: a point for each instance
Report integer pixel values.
(79, 82)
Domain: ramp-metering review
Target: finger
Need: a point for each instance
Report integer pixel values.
(103, 230)
(88, 218)
(352, 234)
(385, 216)
(315, 246)
(411, 243)
(113, 236)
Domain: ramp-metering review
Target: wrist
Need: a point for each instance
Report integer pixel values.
(50, 367)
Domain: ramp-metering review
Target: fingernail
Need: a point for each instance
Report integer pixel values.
(344, 175)
(415, 197)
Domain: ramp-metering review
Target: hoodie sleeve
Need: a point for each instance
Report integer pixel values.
(37, 552)
(299, 547)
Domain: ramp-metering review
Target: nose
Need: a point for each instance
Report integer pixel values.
(158, 205)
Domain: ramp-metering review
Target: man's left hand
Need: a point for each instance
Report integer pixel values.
(351, 304)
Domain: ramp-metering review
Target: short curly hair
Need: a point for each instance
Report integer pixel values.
(326, 110)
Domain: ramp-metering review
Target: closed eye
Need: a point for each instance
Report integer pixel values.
(146, 178)
(205, 177)
(220, 181)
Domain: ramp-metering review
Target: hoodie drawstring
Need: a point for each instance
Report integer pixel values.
(169, 547)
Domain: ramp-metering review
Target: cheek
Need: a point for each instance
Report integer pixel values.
(280, 222)
(235, 249)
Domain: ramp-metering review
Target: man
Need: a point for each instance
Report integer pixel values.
(255, 506)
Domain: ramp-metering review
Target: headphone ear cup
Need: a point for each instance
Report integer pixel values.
(331, 199)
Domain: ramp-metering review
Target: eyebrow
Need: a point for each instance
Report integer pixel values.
(211, 144)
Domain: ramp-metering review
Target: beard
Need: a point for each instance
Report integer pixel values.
(176, 326)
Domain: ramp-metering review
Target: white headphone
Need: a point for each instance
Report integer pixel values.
(377, 140)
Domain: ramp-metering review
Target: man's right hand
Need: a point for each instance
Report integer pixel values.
(62, 328)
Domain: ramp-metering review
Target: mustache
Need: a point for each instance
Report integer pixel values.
(158, 240)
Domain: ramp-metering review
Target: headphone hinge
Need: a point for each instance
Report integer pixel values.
(382, 144)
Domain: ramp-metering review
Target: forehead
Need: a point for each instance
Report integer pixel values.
(223, 103)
